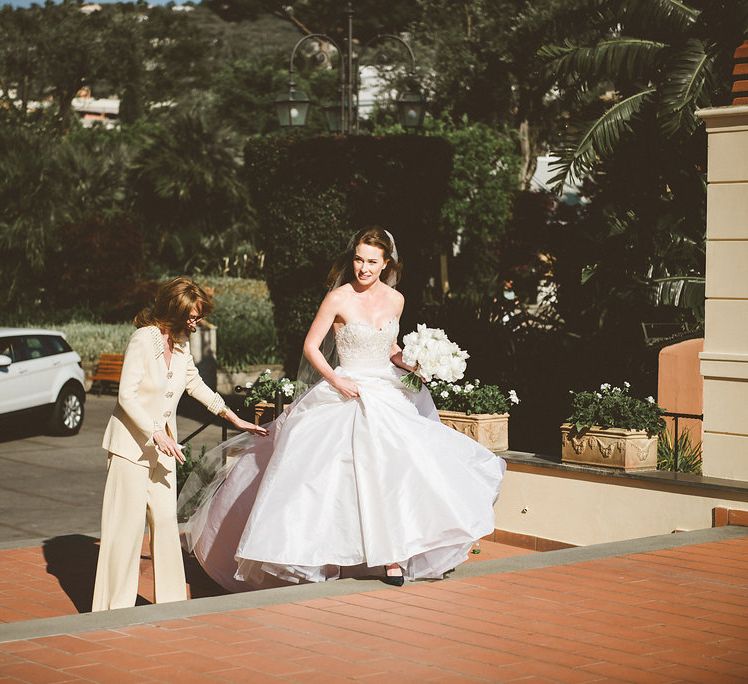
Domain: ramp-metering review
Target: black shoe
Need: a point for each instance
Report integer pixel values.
(393, 580)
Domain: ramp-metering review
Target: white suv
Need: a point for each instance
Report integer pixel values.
(38, 369)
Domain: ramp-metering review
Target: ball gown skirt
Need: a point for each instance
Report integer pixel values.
(343, 483)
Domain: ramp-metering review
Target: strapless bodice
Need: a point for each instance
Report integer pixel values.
(361, 344)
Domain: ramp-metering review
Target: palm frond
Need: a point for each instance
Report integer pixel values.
(682, 291)
(596, 140)
(683, 90)
(615, 58)
(673, 14)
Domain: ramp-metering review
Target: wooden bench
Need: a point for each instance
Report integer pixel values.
(107, 373)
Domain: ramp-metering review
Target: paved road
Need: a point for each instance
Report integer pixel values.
(53, 485)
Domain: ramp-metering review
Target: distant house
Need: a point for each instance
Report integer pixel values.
(93, 110)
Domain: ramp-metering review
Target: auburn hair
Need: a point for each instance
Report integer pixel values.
(173, 305)
(371, 235)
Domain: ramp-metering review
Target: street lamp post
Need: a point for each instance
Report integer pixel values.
(293, 107)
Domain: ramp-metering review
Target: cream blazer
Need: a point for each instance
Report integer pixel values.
(148, 396)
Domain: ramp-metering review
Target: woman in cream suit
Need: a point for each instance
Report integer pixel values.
(141, 439)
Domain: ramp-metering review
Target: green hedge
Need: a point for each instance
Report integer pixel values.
(243, 313)
(91, 339)
(244, 316)
(312, 194)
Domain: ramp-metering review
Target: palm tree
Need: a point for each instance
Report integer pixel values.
(661, 61)
(634, 139)
(186, 187)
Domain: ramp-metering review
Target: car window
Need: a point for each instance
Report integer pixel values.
(9, 347)
(54, 344)
(33, 347)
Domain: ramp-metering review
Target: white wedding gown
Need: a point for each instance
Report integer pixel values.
(341, 483)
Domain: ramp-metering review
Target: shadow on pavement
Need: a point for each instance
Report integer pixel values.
(200, 584)
(72, 559)
(13, 427)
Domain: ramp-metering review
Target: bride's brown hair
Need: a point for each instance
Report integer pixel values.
(174, 302)
(342, 268)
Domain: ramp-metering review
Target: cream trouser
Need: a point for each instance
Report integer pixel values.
(131, 491)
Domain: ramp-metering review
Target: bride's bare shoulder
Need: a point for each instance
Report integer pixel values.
(395, 296)
(340, 294)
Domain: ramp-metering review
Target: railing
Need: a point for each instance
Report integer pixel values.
(677, 416)
(239, 389)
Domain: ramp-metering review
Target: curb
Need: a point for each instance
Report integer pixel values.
(127, 617)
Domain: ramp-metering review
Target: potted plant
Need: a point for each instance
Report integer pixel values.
(262, 392)
(611, 429)
(479, 411)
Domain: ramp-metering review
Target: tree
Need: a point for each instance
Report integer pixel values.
(479, 58)
(636, 140)
(20, 61)
(185, 187)
(661, 60)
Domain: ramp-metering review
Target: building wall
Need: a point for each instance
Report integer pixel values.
(583, 509)
(724, 361)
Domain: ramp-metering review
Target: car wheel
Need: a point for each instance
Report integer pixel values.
(68, 412)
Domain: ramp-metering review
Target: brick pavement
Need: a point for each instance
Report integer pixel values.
(655, 614)
(56, 577)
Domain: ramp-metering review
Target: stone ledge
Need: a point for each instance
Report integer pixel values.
(518, 460)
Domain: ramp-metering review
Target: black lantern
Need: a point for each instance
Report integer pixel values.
(333, 116)
(293, 108)
(411, 109)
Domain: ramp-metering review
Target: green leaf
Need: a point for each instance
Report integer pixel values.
(675, 14)
(597, 139)
(588, 272)
(617, 57)
(683, 90)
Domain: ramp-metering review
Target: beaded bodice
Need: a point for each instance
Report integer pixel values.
(361, 343)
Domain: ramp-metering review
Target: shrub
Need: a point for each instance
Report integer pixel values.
(689, 453)
(184, 470)
(614, 407)
(471, 397)
(89, 338)
(478, 207)
(95, 265)
(265, 387)
(312, 194)
(244, 315)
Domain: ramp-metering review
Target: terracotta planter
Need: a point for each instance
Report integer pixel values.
(490, 429)
(264, 412)
(627, 450)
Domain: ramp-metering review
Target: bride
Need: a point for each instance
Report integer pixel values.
(358, 473)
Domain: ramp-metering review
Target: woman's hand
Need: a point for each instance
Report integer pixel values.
(346, 387)
(168, 446)
(253, 429)
(240, 424)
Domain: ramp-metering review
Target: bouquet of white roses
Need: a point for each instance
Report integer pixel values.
(433, 356)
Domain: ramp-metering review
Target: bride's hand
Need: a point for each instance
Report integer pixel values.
(251, 428)
(346, 387)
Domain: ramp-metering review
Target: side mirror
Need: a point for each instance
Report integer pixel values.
(5, 361)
